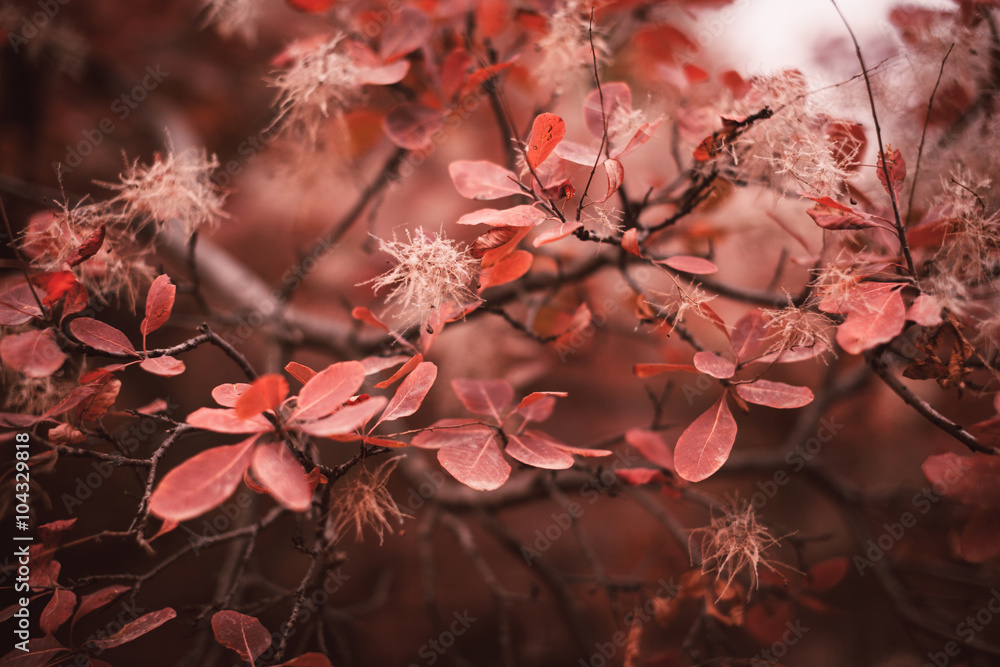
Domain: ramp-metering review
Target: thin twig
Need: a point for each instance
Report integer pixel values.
(923, 136)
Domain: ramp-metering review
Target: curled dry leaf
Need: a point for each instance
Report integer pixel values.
(159, 303)
(137, 628)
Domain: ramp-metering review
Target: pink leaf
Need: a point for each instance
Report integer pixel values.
(688, 264)
(704, 446)
(793, 354)
(135, 629)
(536, 449)
(202, 482)
(226, 421)
(895, 166)
(616, 174)
(749, 335)
(411, 393)
(445, 433)
(578, 153)
(649, 370)
(562, 231)
(547, 131)
(643, 134)
(538, 405)
(508, 269)
(651, 446)
(518, 216)
(276, 467)
(630, 242)
(482, 179)
(971, 480)
(411, 126)
(159, 303)
(34, 353)
(227, 394)
(384, 76)
(774, 394)
(368, 317)
(57, 611)
(166, 366)
(101, 336)
(475, 459)
(877, 317)
(300, 372)
(265, 393)
(346, 420)
(484, 397)
(378, 364)
(617, 100)
(241, 633)
(925, 311)
(405, 370)
(18, 304)
(714, 365)
(329, 389)
(828, 213)
(640, 476)
(407, 32)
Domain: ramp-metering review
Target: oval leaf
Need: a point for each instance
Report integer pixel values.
(226, 421)
(101, 336)
(227, 394)
(547, 131)
(616, 174)
(329, 389)
(166, 366)
(689, 264)
(57, 611)
(265, 393)
(714, 365)
(484, 397)
(345, 420)
(18, 304)
(159, 303)
(508, 269)
(476, 460)
(651, 446)
(97, 599)
(243, 634)
(482, 179)
(775, 394)
(411, 392)
(518, 216)
(411, 126)
(34, 353)
(135, 629)
(704, 446)
(277, 469)
(536, 449)
(202, 482)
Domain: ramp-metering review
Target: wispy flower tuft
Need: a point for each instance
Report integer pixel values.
(234, 17)
(366, 503)
(566, 49)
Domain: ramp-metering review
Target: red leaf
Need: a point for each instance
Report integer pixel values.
(34, 353)
(749, 335)
(688, 264)
(538, 405)
(547, 131)
(649, 370)
(411, 393)
(378, 364)
(368, 317)
(329, 389)
(617, 99)
(651, 446)
(831, 214)
(971, 480)
(774, 394)
(98, 403)
(714, 365)
(980, 539)
(166, 366)
(265, 393)
(311, 6)
(56, 285)
(896, 167)
(101, 336)
(243, 634)
(88, 248)
(475, 458)
(518, 216)
(877, 315)
(630, 242)
(301, 373)
(562, 231)
(445, 433)
(345, 420)
(42, 652)
(408, 31)
(537, 449)
(285, 478)
(202, 482)
(484, 397)
(616, 174)
(97, 599)
(18, 304)
(159, 303)
(404, 370)
(308, 660)
(925, 311)
(508, 269)
(57, 611)
(411, 126)
(640, 476)
(482, 179)
(825, 575)
(135, 629)
(704, 446)
(493, 239)
(227, 394)
(226, 421)
(793, 354)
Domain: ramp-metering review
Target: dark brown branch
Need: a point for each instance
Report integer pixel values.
(923, 136)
